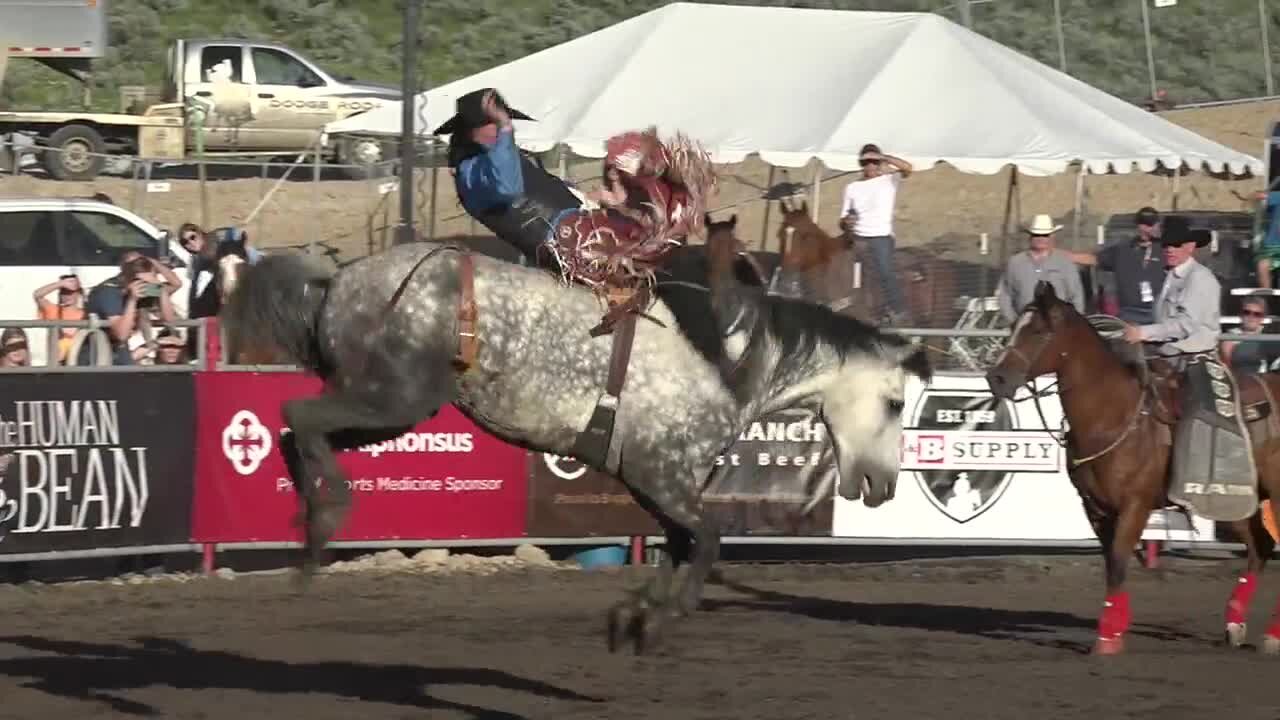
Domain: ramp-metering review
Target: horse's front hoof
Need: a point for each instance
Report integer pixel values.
(1270, 645)
(1109, 646)
(625, 620)
(1236, 634)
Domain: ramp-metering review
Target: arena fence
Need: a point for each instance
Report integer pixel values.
(99, 462)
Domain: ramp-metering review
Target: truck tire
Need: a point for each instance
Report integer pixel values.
(75, 153)
(365, 153)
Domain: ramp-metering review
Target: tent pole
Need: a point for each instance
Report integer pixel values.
(1079, 208)
(764, 226)
(408, 104)
(1173, 201)
(817, 190)
(1005, 228)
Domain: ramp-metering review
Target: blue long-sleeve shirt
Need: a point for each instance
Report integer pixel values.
(492, 177)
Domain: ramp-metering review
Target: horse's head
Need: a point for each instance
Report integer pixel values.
(804, 244)
(1039, 341)
(862, 408)
(852, 375)
(725, 248)
(232, 258)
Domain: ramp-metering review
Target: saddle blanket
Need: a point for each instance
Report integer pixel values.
(1213, 470)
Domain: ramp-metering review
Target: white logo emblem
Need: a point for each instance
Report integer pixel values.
(246, 442)
(553, 464)
(8, 507)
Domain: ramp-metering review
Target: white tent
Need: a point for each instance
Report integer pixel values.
(794, 84)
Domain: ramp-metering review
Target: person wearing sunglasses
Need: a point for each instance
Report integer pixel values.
(14, 350)
(1247, 357)
(867, 213)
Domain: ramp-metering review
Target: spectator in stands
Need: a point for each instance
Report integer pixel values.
(128, 300)
(1138, 265)
(70, 306)
(1250, 357)
(14, 350)
(171, 347)
(868, 213)
(1040, 261)
(204, 254)
(1267, 253)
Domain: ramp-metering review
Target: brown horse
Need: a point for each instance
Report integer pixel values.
(1120, 445)
(820, 267)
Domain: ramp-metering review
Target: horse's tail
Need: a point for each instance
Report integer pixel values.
(275, 309)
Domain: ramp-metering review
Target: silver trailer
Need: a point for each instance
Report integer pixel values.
(65, 35)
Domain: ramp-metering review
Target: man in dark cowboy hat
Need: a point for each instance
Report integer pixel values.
(1187, 310)
(497, 184)
(1212, 467)
(654, 195)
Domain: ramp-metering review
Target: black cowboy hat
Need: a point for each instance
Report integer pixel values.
(1178, 231)
(470, 112)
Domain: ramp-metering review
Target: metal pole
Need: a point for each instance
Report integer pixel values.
(966, 13)
(1266, 45)
(1062, 44)
(409, 102)
(1146, 34)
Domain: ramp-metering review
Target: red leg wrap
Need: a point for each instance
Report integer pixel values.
(1115, 616)
(1273, 630)
(1241, 596)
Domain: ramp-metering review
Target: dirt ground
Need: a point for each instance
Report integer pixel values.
(990, 638)
(939, 205)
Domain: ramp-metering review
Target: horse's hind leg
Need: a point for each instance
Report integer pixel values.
(1259, 545)
(320, 425)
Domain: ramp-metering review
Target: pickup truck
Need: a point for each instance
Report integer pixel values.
(244, 98)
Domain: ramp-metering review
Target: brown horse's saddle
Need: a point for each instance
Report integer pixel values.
(1164, 380)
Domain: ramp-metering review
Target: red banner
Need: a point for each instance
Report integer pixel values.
(444, 479)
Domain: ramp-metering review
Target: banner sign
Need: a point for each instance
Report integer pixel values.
(444, 479)
(763, 482)
(974, 467)
(87, 463)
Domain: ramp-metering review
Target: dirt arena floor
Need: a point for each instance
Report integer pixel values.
(989, 638)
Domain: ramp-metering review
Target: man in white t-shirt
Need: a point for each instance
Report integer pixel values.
(868, 213)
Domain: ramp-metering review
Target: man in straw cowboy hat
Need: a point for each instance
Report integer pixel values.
(1039, 262)
(655, 194)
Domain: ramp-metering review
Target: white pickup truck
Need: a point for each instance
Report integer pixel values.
(244, 98)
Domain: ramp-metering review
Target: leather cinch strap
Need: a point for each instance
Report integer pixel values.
(621, 356)
(467, 343)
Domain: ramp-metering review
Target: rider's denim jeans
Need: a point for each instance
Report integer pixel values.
(882, 247)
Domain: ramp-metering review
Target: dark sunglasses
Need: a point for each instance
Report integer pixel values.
(1253, 313)
(15, 346)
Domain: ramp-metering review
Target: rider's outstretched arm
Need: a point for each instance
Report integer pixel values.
(493, 177)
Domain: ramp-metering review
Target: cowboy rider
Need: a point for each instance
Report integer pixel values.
(537, 213)
(1187, 312)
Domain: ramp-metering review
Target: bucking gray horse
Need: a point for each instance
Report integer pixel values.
(383, 333)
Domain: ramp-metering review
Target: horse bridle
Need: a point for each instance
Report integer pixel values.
(1055, 388)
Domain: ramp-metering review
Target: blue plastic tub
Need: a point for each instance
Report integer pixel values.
(602, 557)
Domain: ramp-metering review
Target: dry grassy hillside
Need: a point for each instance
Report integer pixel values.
(938, 205)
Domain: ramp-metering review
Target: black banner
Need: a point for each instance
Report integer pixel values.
(95, 460)
(773, 467)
